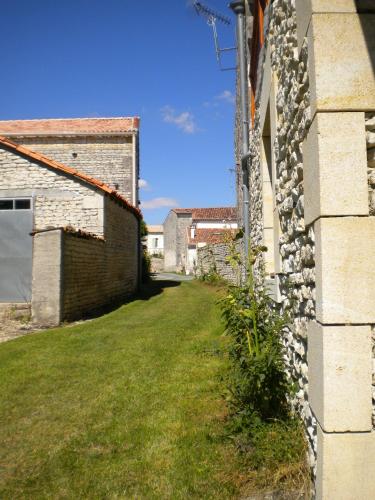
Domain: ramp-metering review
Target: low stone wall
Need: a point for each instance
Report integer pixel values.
(214, 258)
(75, 273)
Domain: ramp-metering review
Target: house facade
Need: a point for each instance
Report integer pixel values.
(103, 148)
(155, 239)
(309, 171)
(183, 227)
(69, 243)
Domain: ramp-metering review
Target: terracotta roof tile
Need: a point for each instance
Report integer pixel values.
(209, 235)
(212, 213)
(60, 167)
(70, 126)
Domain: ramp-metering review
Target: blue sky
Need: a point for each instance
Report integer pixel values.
(155, 59)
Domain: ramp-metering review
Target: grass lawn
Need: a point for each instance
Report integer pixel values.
(124, 406)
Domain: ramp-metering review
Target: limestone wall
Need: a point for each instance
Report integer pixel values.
(77, 273)
(109, 159)
(214, 258)
(293, 250)
(58, 200)
(312, 202)
(175, 227)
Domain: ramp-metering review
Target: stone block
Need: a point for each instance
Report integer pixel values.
(47, 278)
(305, 9)
(345, 271)
(346, 464)
(340, 375)
(341, 67)
(335, 166)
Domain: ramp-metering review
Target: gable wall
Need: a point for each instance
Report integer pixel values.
(109, 159)
(58, 200)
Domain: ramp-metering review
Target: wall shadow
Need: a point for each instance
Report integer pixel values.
(146, 292)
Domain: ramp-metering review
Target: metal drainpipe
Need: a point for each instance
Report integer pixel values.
(238, 7)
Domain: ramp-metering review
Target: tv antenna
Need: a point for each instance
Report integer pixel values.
(212, 18)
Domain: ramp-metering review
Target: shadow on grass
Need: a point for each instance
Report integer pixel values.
(145, 292)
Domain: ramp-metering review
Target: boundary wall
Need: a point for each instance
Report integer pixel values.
(75, 274)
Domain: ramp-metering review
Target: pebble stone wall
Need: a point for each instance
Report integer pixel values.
(296, 242)
(370, 143)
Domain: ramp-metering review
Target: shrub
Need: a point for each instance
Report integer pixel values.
(258, 388)
(146, 267)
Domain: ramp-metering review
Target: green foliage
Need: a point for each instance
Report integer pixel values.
(258, 386)
(143, 229)
(146, 267)
(122, 407)
(258, 383)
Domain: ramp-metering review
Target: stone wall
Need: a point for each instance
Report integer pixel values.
(57, 199)
(109, 159)
(370, 143)
(294, 250)
(214, 258)
(175, 227)
(76, 273)
(310, 187)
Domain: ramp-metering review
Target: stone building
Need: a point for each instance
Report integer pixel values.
(311, 179)
(155, 239)
(69, 243)
(104, 148)
(184, 225)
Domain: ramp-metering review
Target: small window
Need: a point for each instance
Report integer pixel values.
(156, 241)
(23, 204)
(6, 204)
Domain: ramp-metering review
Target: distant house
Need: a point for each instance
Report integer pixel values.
(103, 148)
(69, 241)
(155, 240)
(187, 228)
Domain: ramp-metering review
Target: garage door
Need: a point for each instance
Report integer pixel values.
(16, 222)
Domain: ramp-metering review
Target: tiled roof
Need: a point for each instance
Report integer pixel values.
(213, 213)
(155, 228)
(209, 235)
(70, 126)
(60, 167)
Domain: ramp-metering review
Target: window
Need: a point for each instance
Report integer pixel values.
(15, 204)
(6, 204)
(156, 241)
(22, 204)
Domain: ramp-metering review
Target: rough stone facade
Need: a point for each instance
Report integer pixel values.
(312, 207)
(296, 242)
(106, 149)
(86, 238)
(370, 143)
(214, 258)
(58, 200)
(175, 227)
(109, 159)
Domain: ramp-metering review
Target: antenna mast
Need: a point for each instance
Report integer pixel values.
(212, 18)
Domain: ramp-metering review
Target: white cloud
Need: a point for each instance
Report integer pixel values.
(226, 96)
(158, 203)
(185, 120)
(143, 184)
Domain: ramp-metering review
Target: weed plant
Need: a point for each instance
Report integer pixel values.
(258, 387)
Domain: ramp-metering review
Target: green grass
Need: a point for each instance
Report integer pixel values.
(124, 406)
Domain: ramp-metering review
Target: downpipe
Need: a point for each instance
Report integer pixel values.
(238, 7)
